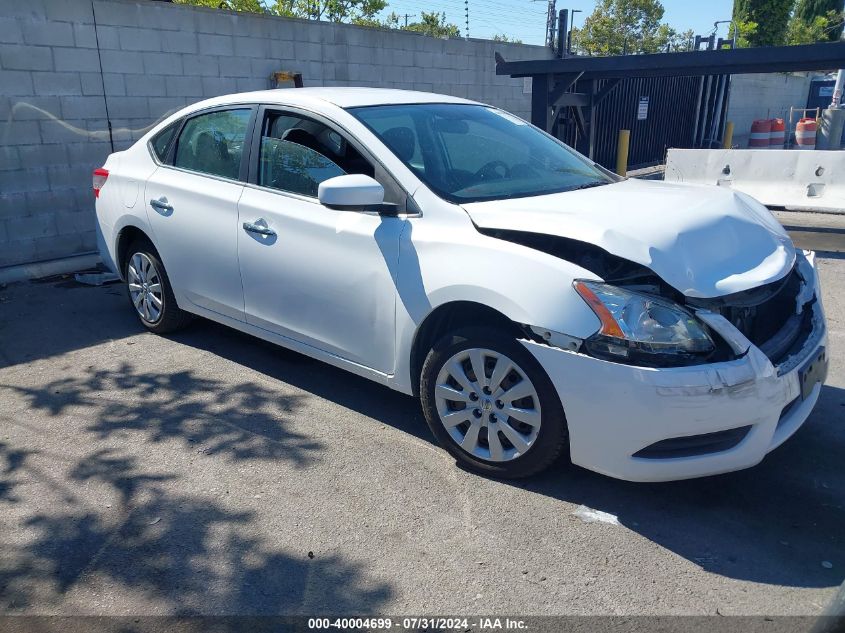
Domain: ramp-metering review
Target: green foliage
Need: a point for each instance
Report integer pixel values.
(808, 10)
(505, 38)
(249, 6)
(332, 10)
(359, 12)
(434, 24)
(817, 21)
(680, 42)
(802, 32)
(618, 27)
(354, 11)
(747, 32)
(770, 16)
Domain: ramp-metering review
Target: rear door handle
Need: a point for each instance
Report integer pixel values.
(161, 204)
(259, 226)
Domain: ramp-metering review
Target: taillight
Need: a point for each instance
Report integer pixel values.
(100, 176)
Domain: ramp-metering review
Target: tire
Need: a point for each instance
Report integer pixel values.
(149, 290)
(539, 433)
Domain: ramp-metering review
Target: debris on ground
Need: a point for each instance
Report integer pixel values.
(589, 515)
(96, 279)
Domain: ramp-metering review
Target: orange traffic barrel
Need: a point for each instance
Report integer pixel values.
(778, 137)
(761, 131)
(805, 133)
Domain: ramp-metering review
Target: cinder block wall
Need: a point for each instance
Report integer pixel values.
(764, 97)
(156, 58)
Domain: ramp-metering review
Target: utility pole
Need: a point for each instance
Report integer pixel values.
(551, 24)
(562, 20)
(408, 15)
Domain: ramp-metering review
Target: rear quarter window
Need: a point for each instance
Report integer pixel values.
(161, 141)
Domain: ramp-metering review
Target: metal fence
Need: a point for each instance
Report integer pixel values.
(660, 112)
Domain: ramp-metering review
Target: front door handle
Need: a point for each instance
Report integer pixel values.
(161, 205)
(259, 226)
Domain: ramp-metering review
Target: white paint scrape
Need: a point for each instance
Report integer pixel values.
(588, 515)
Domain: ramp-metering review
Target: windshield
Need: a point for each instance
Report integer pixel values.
(470, 153)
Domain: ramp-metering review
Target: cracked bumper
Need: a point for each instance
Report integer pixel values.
(614, 410)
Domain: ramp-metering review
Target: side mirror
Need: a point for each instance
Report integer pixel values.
(352, 192)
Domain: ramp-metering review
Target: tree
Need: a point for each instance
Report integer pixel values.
(770, 16)
(355, 11)
(618, 27)
(746, 33)
(434, 24)
(506, 38)
(360, 12)
(833, 11)
(249, 6)
(680, 42)
(802, 32)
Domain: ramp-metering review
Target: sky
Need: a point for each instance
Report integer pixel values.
(526, 19)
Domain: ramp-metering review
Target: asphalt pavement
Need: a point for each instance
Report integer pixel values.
(211, 473)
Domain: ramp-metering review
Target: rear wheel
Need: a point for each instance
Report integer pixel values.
(491, 405)
(149, 290)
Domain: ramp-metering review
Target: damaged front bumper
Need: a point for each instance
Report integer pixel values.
(660, 424)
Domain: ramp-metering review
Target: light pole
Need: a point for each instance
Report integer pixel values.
(732, 23)
(724, 83)
(571, 26)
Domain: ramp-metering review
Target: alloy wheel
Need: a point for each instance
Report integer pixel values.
(145, 287)
(488, 405)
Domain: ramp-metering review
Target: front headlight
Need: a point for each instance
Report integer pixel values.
(640, 327)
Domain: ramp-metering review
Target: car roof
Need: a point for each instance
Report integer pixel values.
(344, 97)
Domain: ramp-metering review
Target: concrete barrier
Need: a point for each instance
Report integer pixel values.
(801, 181)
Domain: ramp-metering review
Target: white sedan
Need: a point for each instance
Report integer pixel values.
(537, 304)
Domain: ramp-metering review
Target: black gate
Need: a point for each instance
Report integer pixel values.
(660, 112)
(665, 99)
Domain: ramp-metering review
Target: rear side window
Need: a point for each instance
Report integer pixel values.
(161, 141)
(213, 143)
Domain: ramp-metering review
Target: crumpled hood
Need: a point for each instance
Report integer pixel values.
(702, 240)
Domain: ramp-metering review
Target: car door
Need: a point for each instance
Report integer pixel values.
(321, 276)
(192, 208)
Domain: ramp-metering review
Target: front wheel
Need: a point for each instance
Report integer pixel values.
(491, 405)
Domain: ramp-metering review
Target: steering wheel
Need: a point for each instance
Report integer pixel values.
(490, 171)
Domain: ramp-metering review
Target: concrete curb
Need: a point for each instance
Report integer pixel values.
(22, 272)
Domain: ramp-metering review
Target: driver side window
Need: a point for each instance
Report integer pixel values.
(297, 153)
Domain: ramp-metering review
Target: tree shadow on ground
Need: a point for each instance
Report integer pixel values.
(320, 379)
(12, 461)
(164, 544)
(774, 523)
(239, 421)
(188, 554)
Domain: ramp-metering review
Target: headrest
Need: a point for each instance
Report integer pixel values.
(401, 141)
